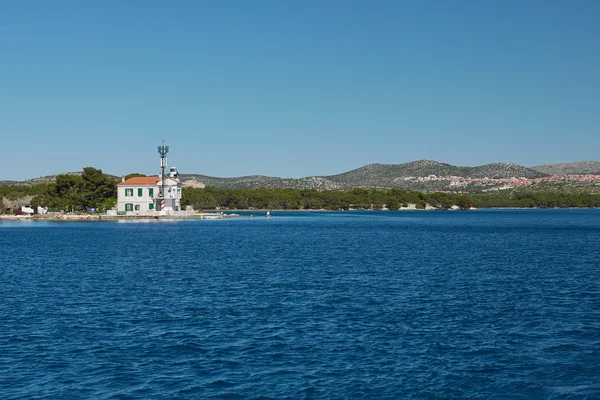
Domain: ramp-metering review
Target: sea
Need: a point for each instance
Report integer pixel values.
(484, 304)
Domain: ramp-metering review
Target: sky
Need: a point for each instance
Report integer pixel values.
(295, 88)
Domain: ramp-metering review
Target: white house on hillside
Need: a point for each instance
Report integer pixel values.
(141, 195)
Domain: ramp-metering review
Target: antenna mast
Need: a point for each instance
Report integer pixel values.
(163, 150)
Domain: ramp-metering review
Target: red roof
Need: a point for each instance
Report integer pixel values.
(141, 180)
(145, 180)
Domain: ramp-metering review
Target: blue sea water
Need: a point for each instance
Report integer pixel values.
(379, 305)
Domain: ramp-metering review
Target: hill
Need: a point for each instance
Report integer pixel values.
(45, 179)
(574, 168)
(48, 178)
(387, 174)
(422, 175)
(413, 175)
(260, 181)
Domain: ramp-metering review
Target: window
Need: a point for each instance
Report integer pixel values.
(140, 191)
(137, 207)
(129, 192)
(129, 206)
(151, 192)
(151, 205)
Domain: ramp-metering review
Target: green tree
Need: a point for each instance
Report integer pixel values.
(134, 175)
(67, 192)
(393, 203)
(97, 187)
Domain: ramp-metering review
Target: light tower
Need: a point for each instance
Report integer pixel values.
(162, 150)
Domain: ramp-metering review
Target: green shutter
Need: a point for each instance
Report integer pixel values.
(151, 205)
(140, 191)
(151, 192)
(137, 207)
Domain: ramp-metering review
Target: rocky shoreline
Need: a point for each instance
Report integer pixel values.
(104, 217)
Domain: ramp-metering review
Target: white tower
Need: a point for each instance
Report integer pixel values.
(173, 172)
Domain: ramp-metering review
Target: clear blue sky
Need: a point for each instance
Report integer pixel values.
(295, 88)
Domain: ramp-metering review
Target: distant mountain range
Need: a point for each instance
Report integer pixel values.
(44, 179)
(374, 175)
(574, 168)
(418, 175)
(406, 176)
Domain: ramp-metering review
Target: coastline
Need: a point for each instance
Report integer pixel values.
(111, 218)
(214, 214)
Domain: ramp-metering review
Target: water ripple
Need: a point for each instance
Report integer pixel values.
(488, 305)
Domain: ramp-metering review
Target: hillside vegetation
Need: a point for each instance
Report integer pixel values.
(574, 168)
(387, 174)
(422, 175)
(374, 175)
(93, 189)
(367, 199)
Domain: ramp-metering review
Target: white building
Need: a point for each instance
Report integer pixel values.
(141, 195)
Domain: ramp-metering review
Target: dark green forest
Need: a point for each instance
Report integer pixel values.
(94, 189)
(294, 199)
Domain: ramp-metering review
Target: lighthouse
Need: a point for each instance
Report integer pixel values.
(151, 195)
